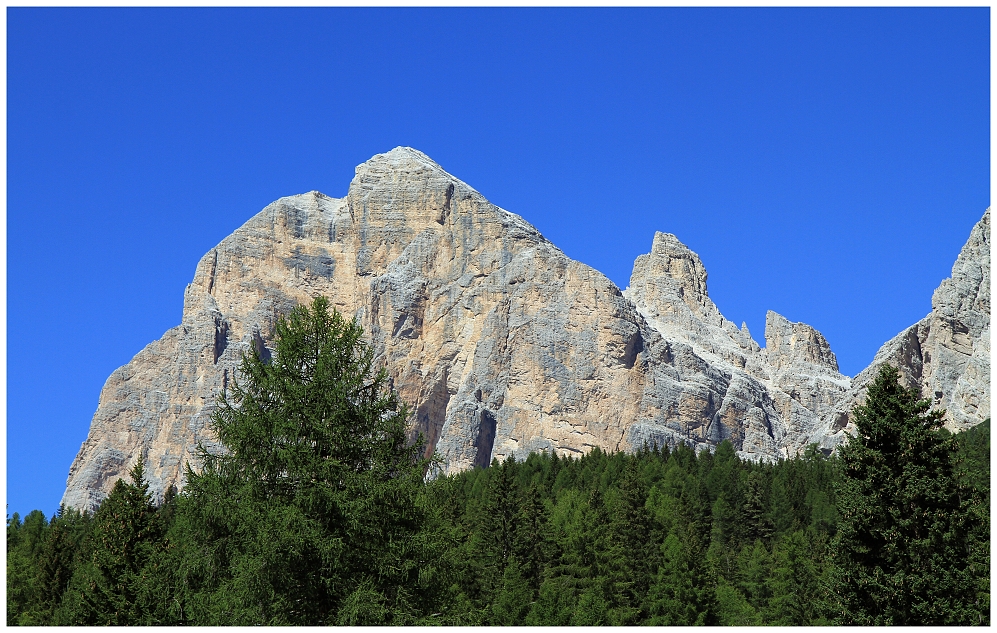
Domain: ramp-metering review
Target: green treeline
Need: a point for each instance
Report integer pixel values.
(320, 512)
(659, 537)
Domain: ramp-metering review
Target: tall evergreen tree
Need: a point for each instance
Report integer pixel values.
(755, 524)
(630, 557)
(311, 508)
(680, 594)
(24, 542)
(555, 603)
(973, 470)
(793, 583)
(110, 588)
(493, 541)
(513, 599)
(60, 556)
(755, 570)
(533, 544)
(901, 555)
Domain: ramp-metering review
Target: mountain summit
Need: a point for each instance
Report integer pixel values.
(502, 344)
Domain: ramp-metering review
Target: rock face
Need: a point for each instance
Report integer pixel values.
(766, 401)
(499, 342)
(946, 354)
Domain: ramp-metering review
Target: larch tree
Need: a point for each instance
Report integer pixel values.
(309, 514)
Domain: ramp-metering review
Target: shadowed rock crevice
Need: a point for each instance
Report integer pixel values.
(221, 337)
(445, 212)
(260, 346)
(633, 347)
(431, 414)
(485, 440)
(319, 264)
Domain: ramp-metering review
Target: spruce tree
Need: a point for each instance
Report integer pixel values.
(630, 558)
(754, 523)
(533, 545)
(24, 542)
(792, 584)
(513, 599)
(901, 554)
(493, 540)
(680, 594)
(109, 588)
(58, 559)
(555, 603)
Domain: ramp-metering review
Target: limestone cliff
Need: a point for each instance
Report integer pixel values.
(766, 401)
(946, 354)
(500, 343)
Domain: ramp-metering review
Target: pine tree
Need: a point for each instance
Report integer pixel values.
(591, 547)
(496, 521)
(973, 470)
(733, 608)
(680, 594)
(514, 598)
(755, 525)
(533, 545)
(792, 583)
(683, 586)
(555, 603)
(755, 570)
(901, 555)
(592, 608)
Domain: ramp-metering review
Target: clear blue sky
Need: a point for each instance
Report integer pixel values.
(827, 164)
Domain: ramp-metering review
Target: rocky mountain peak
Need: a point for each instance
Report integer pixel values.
(774, 396)
(945, 355)
(672, 273)
(500, 343)
(404, 189)
(788, 343)
(966, 294)
(406, 192)
(668, 287)
(402, 168)
(399, 157)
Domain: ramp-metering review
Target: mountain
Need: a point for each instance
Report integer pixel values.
(501, 344)
(946, 354)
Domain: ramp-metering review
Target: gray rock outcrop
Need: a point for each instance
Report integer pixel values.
(946, 354)
(500, 343)
(766, 401)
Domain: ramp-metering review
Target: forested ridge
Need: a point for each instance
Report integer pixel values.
(320, 512)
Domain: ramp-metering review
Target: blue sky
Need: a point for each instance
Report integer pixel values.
(827, 164)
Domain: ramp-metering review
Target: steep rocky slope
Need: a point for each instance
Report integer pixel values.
(946, 354)
(769, 401)
(501, 343)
